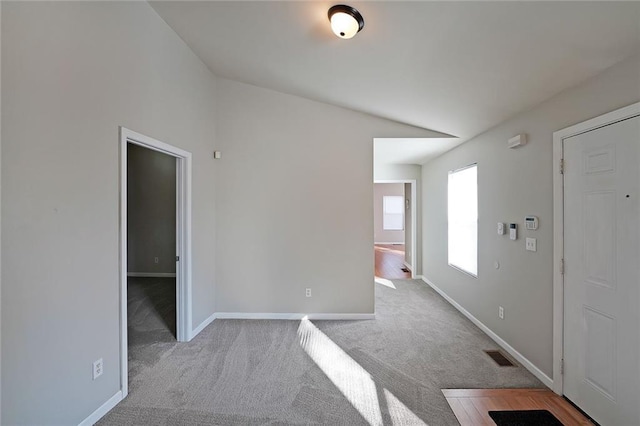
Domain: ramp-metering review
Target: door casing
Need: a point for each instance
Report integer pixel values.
(183, 241)
(414, 220)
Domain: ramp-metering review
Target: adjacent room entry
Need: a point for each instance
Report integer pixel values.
(601, 273)
(155, 305)
(151, 254)
(393, 229)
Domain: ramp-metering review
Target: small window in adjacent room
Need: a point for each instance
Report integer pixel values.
(393, 213)
(463, 219)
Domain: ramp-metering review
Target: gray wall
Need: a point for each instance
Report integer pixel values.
(72, 72)
(406, 172)
(408, 223)
(294, 205)
(151, 205)
(380, 235)
(511, 184)
(0, 215)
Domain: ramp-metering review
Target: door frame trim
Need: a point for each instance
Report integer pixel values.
(414, 220)
(183, 241)
(558, 226)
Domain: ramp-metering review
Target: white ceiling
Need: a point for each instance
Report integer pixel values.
(458, 68)
(410, 150)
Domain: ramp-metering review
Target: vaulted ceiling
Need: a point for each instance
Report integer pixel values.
(458, 68)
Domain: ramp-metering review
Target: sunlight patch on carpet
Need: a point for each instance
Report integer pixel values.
(385, 282)
(350, 378)
(355, 383)
(400, 413)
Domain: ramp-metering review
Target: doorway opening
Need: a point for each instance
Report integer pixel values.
(155, 235)
(395, 229)
(151, 257)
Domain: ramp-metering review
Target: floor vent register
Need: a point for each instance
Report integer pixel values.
(500, 359)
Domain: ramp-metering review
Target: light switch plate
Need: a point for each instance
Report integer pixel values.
(531, 244)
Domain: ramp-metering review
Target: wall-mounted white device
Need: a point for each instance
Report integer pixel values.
(513, 231)
(517, 141)
(217, 155)
(500, 228)
(531, 223)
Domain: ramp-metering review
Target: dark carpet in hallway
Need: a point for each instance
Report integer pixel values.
(384, 371)
(151, 315)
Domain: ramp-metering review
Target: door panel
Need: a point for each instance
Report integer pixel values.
(600, 362)
(601, 339)
(599, 238)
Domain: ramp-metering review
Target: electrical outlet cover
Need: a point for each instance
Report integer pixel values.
(97, 368)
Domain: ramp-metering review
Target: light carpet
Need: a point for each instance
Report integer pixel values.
(257, 372)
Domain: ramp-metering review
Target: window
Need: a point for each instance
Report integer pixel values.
(393, 213)
(463, 219)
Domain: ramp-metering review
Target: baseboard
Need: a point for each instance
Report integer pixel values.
(202, 326)
(102, 410)
(295, 316)
(390, 243)
(504, 345)
(408, 266)
(276, 316)
(152, 274)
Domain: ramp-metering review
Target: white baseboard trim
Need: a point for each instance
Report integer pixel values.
(152, 274)
(102, 410)
(202, 326)
(408, 266)
(386, 242)
(276, 316)
(295, 316)
(504, 345)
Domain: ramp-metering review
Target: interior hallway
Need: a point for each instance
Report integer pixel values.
(390, 261)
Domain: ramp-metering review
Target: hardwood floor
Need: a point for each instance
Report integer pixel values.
(471, 406)
(390, 261)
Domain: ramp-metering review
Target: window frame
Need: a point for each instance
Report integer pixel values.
(402, 213)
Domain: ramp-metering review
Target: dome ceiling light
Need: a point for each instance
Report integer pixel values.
(345, 21)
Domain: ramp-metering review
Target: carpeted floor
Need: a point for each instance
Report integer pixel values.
(384, 371)
(151, 316)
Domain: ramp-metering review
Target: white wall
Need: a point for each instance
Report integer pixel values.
(408, 224)
(294, 203)
(380, 235)
(402, 172)
(511, 184)
(384, 172)
(72, 72)
(0, 213)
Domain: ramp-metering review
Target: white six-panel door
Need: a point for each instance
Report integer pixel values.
(601, 283)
